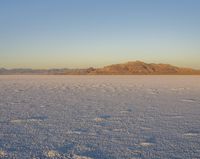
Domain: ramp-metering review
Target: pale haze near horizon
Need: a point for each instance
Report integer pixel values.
(80, 34)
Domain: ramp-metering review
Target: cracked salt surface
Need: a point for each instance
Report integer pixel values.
(105, 117)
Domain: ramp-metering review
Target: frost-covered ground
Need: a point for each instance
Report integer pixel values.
(105, 117)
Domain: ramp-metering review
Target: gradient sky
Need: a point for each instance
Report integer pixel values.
(83, 33)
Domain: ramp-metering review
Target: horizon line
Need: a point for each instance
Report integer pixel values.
(71, 68)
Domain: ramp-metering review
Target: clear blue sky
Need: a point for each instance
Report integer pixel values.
(83, 33)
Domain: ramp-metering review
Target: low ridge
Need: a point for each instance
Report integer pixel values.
(129, 68)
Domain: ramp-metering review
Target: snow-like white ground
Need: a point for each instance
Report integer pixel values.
(105, 117)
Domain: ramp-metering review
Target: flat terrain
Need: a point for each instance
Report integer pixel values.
(105, 117)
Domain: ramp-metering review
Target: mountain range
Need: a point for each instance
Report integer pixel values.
(129, 68)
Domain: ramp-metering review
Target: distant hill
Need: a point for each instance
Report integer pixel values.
(138, 67)
(129, 68)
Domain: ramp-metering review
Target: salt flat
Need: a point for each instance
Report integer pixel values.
(103, 117)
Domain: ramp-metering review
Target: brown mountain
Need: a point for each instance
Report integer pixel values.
(138, 67)
(129, 68)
